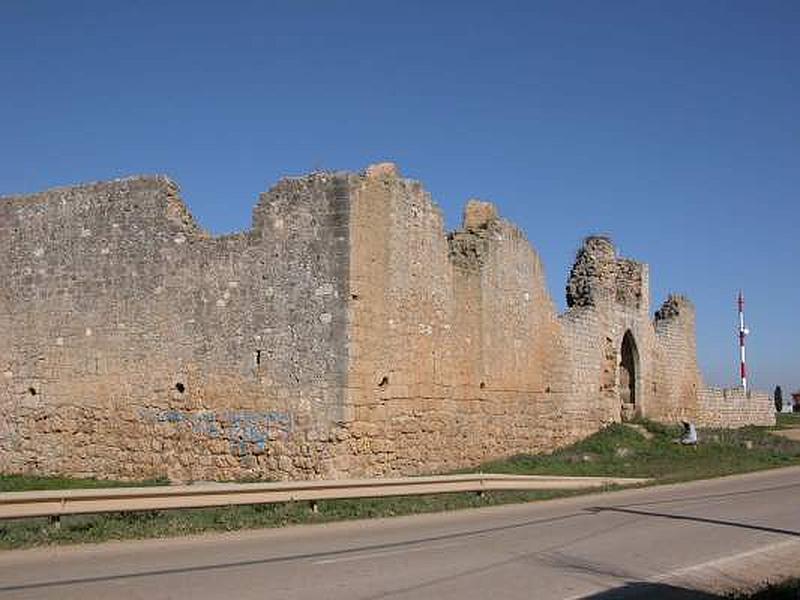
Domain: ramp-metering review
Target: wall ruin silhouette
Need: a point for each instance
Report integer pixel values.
(344, 334)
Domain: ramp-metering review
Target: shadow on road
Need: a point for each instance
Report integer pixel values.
(679, 517)
(655, 591)
(715, 496)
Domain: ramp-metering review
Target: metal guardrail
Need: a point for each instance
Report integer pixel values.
(55, 503)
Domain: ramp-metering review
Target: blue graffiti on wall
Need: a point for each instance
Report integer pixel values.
(245, 430)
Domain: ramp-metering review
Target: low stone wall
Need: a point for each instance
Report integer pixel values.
(719, 407)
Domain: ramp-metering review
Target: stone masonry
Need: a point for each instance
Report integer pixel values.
(344, 334)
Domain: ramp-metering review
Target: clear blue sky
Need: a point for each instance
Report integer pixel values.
(673, 126)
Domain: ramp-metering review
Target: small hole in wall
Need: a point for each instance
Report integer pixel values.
(354, 296)
(547, 389)
(654, 386)
(258, 357)
(180, 387)
(32, 391)
(483, 385)
(384, 382)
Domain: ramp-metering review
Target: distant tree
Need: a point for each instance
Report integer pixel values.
(778, 398)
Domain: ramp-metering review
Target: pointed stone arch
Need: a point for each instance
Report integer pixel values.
(629, 376)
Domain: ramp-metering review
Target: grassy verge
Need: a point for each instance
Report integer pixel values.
(623, 451)
(170, 523)
(618, 450)
(22, 483)
(787, 420)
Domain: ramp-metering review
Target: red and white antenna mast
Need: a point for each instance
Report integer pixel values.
(743, 333)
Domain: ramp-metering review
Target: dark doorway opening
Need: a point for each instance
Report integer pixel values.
(627, 376)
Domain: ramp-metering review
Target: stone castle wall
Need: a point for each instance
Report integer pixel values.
(733, 407)
(677, 376)
(130, 338)
(344, 334)
(451, 338)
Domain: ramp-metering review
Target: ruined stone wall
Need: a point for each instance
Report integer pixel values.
(607, 297)
(677, 379)
(457, 361)
(136, 345)
(344, 334)
(451, 338)
(731, 408)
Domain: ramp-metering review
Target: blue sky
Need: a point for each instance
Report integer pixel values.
(673, 126)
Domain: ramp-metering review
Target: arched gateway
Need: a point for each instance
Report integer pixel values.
(628, 367)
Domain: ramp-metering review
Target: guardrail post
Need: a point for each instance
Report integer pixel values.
(481, 493)
(54, 521)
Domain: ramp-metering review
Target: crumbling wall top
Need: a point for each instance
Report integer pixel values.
(384, 169)
(469, 245)
(479, 214)
(135, 195)
(673, 307)
(593, 273)
(74, 192)
(598, 275)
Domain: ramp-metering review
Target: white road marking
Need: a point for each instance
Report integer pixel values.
(717, 563)
(715, 566)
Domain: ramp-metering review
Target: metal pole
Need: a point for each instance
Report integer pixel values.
(743, 331)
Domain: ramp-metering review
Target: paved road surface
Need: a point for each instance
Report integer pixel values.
(648, 543)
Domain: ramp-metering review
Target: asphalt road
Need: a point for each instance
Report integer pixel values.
(650, 543)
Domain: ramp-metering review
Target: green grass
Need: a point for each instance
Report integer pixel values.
(623, 452)
(616, 451)
(22, 483)
(787, 420)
